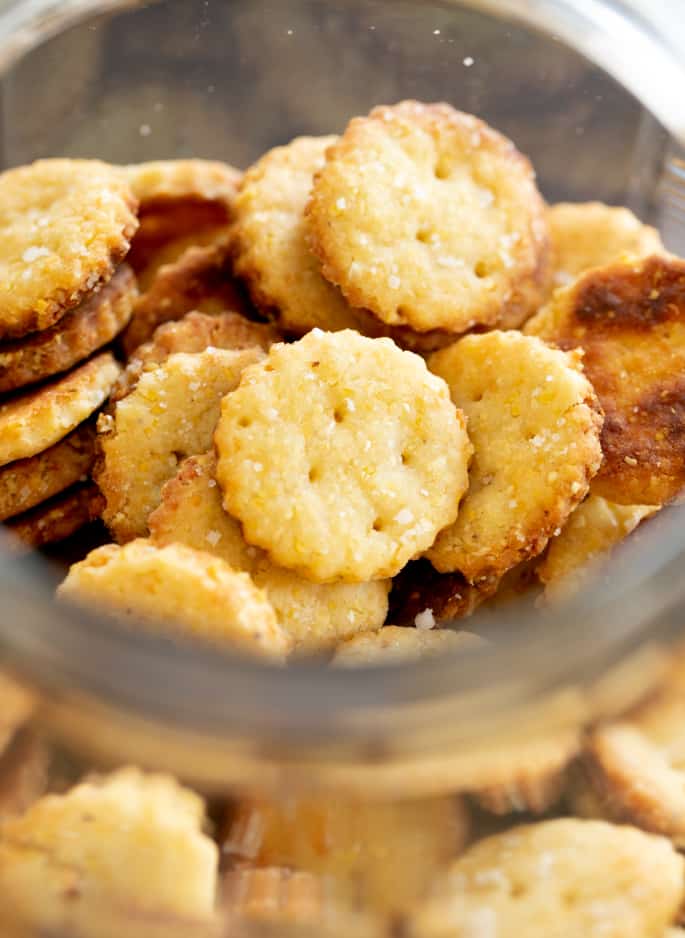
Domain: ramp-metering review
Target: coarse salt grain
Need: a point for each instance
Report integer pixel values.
(469, 61)
(425, 621)
(33, 253)
(404, 517)
(213, 537)
(394, 282)
(341, 204)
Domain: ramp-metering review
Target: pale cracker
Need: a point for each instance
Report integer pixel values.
(171, 414)
(126, 841)
(591, 234)
(164, 181)
(629, 320)
(35, 420)
(393, 645)
(317, 616)
(558, 879)
(64, 227)
(28, 482)
(535, 422)
(99, 318)
(360, 456)
(429, 218)
(187, 591)
(269, 240)
(194, 333)
(587, 538)
(58, 518)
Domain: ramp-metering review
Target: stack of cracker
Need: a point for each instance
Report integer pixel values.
(66, 228)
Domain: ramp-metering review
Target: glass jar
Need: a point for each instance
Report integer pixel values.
(591, 92)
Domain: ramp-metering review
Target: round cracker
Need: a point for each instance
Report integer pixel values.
(535, 423)
(194, 333)
(591, 234)
(171, 414)
(183, 589)
(58, 518)
(74, 338)
(200, 279)
(629, 320)
(64, 227)
(35, 420)
(562, 877)
(28, 482)
(342, 456)
(393, 645)
(269, 241)
(164, 181)
(590, 534)
(317, 616)
(430, 219)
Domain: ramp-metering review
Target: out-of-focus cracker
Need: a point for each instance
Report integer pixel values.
(74, 338)
(35, 420)
(360, 456)
(58, 518)
(315, 615)
(194, 333)
(187, 591)
(591, 234)
(28, 482)
(270, 894)
(420, 591)
(64, 227)
(201, 279)
(589, 535)
(171, 414)
(128, 841)
(429, 218)
(558, 879)
(393, 645)
(270, 246)
(629, 319)
(535, 422)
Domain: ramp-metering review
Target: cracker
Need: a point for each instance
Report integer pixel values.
(127, 841)
(155, 256)
(194, 333)
(430, 219)
(566, 877)
(385, 853)
(393, 645)
(165, 181)
(420, 591)
(591, 234)
(276, 895)
(74, 338)
(270, 246)
(58, 518)
(35, 420)
(64, 227)
(28, 482)
(534, 422)
(200, 280)
(588, 537)
(629, 320)
(315, 615)
(171, 414)
(184, 590)
(342, 456)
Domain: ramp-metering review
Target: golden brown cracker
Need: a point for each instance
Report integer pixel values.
(590, 234)
(164, 181)
(194, 333)
(629, 320)
(35, 420)
(171, 414)
(535, 422)
(200, 279)
(270, 894)
(58, 518)
(28, 482)
(565, 877)
(64, 227)
(316, 616)
(429, 218)
(269, 241)
(361, 479)
(394, 645)
(419, 590)
(98, 320)
(179, 590)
